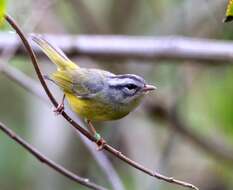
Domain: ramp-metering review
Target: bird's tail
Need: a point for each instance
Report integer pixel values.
(54, 54)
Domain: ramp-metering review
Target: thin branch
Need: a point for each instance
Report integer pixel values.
(33, 87)
(82, 130)
(105, 164)
(146, 170)
(208, 145)
(48, 162)
(135, 47)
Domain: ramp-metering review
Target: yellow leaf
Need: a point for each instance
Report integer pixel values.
(229, 12)
(2, 10)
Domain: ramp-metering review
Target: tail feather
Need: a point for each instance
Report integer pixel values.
(61, 79)
(54, 54)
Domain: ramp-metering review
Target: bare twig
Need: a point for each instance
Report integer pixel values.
(48, 162)
(208, 145)
(128, 47)
(82, 130)
(105, 164)
(33, 87)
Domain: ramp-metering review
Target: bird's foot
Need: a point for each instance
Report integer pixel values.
(59, 109)
(100, 142)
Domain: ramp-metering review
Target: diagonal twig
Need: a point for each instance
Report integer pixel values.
(48, 162)
(208, 145)
(35, 88)
(106, 147)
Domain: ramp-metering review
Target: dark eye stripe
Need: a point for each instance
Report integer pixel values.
(121, 86)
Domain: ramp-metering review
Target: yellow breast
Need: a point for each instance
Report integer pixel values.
(94, 110)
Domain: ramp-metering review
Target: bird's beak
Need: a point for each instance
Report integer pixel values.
(148, 88)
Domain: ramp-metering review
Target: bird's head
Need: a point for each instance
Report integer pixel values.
(128, 88)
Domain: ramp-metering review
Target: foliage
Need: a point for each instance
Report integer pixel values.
(2, 10)
(229, 11)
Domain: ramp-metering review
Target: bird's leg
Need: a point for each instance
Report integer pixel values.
(100, 141)
(60, 108)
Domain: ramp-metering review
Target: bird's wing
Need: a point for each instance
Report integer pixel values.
(84, 83)
(90, 82)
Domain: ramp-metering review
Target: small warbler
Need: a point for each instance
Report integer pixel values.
(94, 94)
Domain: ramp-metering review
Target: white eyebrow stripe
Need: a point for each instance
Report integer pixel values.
(116, 81)
(130, 76)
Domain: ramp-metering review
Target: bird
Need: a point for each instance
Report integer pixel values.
(93, 94)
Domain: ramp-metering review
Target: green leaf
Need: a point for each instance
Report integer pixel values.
(2, 10)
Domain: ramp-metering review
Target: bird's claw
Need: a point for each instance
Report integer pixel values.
(100, 143)
(59, 109)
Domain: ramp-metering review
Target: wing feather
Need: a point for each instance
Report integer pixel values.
(84, 83)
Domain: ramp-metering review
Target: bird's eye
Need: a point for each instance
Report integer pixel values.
(130, 89)
(131, 86)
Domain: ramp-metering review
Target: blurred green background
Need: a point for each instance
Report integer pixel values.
(204, 93)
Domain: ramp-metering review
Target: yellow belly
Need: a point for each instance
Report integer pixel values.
(95, 110)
